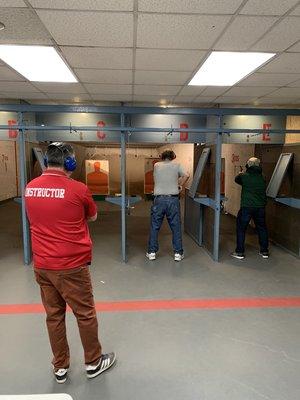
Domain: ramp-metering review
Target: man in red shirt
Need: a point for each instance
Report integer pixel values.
(58, 209)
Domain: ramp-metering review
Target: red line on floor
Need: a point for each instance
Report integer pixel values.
(183, 304)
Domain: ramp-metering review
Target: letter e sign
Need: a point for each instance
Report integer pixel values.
(266, 136)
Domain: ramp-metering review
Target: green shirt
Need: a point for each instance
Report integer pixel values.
(253, 187)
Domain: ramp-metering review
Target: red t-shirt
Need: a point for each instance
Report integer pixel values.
(57, 208)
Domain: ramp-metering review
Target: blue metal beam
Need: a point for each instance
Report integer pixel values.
(23, 182)
(289, 201)
(145, 110)
(123, 190)
(143, 129)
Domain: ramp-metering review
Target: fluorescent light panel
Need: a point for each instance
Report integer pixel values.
(37, 63)
(223, 68)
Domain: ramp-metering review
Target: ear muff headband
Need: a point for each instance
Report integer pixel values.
(70, 162)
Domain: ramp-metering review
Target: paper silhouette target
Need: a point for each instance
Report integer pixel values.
(97, 176)
(148, 179)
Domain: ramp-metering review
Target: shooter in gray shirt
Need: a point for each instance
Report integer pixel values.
(168, 179)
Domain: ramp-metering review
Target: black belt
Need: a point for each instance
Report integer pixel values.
(167, 195)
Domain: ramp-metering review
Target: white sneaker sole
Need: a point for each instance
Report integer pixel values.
(150, 258)
(238, 257)
(61, 381)
(178, 259)
(102, 370)
(265, 257)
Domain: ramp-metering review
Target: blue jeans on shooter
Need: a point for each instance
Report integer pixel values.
(168, 206)
(258, 214)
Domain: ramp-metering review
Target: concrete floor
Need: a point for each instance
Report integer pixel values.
(238, 354)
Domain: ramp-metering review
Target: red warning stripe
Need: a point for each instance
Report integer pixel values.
(182, 304)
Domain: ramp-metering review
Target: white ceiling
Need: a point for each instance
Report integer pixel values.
(146, 51)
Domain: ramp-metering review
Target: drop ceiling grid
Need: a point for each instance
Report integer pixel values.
(149, 60)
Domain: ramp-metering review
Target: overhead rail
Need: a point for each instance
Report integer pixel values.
(141, 129)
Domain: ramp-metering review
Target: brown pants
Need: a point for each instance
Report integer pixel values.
(72, 287)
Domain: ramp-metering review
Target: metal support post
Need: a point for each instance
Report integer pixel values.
(23, 182)
(123, 191)
(218, 167)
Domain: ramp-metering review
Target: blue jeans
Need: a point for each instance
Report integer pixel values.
(170, 207)
(258, 214)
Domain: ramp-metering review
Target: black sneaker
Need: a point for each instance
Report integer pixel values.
(106, 361)
(239, 256)
(61, 375)
(264, 254)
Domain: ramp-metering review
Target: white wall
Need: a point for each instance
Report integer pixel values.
(235, 155)
(8, 170)
(135, 165)
(292, 122)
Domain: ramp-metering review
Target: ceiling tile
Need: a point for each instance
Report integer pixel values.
(259, 79)
(267, 7)
(281, 36)
(286, 92)
(295, 84)
(17, 87)
(112, 97)
(171, 31)
(69, 96)
(22, 27)
(74, 101)
(89, 28)
(250, 91)
(96, 88)
(214, 90)
(6, 74)
(190, 6)
(296, 11)
(60, 87)
(192, 90)
(277, 101)
(284, 63)
(243, 32)
(183, 99)
(295, 48)
(156, 90)
(89, 57)
(104, 76)
(171, 60)
(161, 77)
(12, 3)
(32, 96)
(23, 95)
(204, 99)
(102, 5)
(235, 99)
(150, 98)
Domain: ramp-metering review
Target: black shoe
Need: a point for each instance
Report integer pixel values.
(239, 256)
(61, 375)
(106, 361)
(264, 254)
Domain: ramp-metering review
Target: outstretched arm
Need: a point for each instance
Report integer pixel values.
(183, 179)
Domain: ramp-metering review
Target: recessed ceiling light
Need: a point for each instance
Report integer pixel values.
(37, 63)
(2, 26)
(224, 68)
